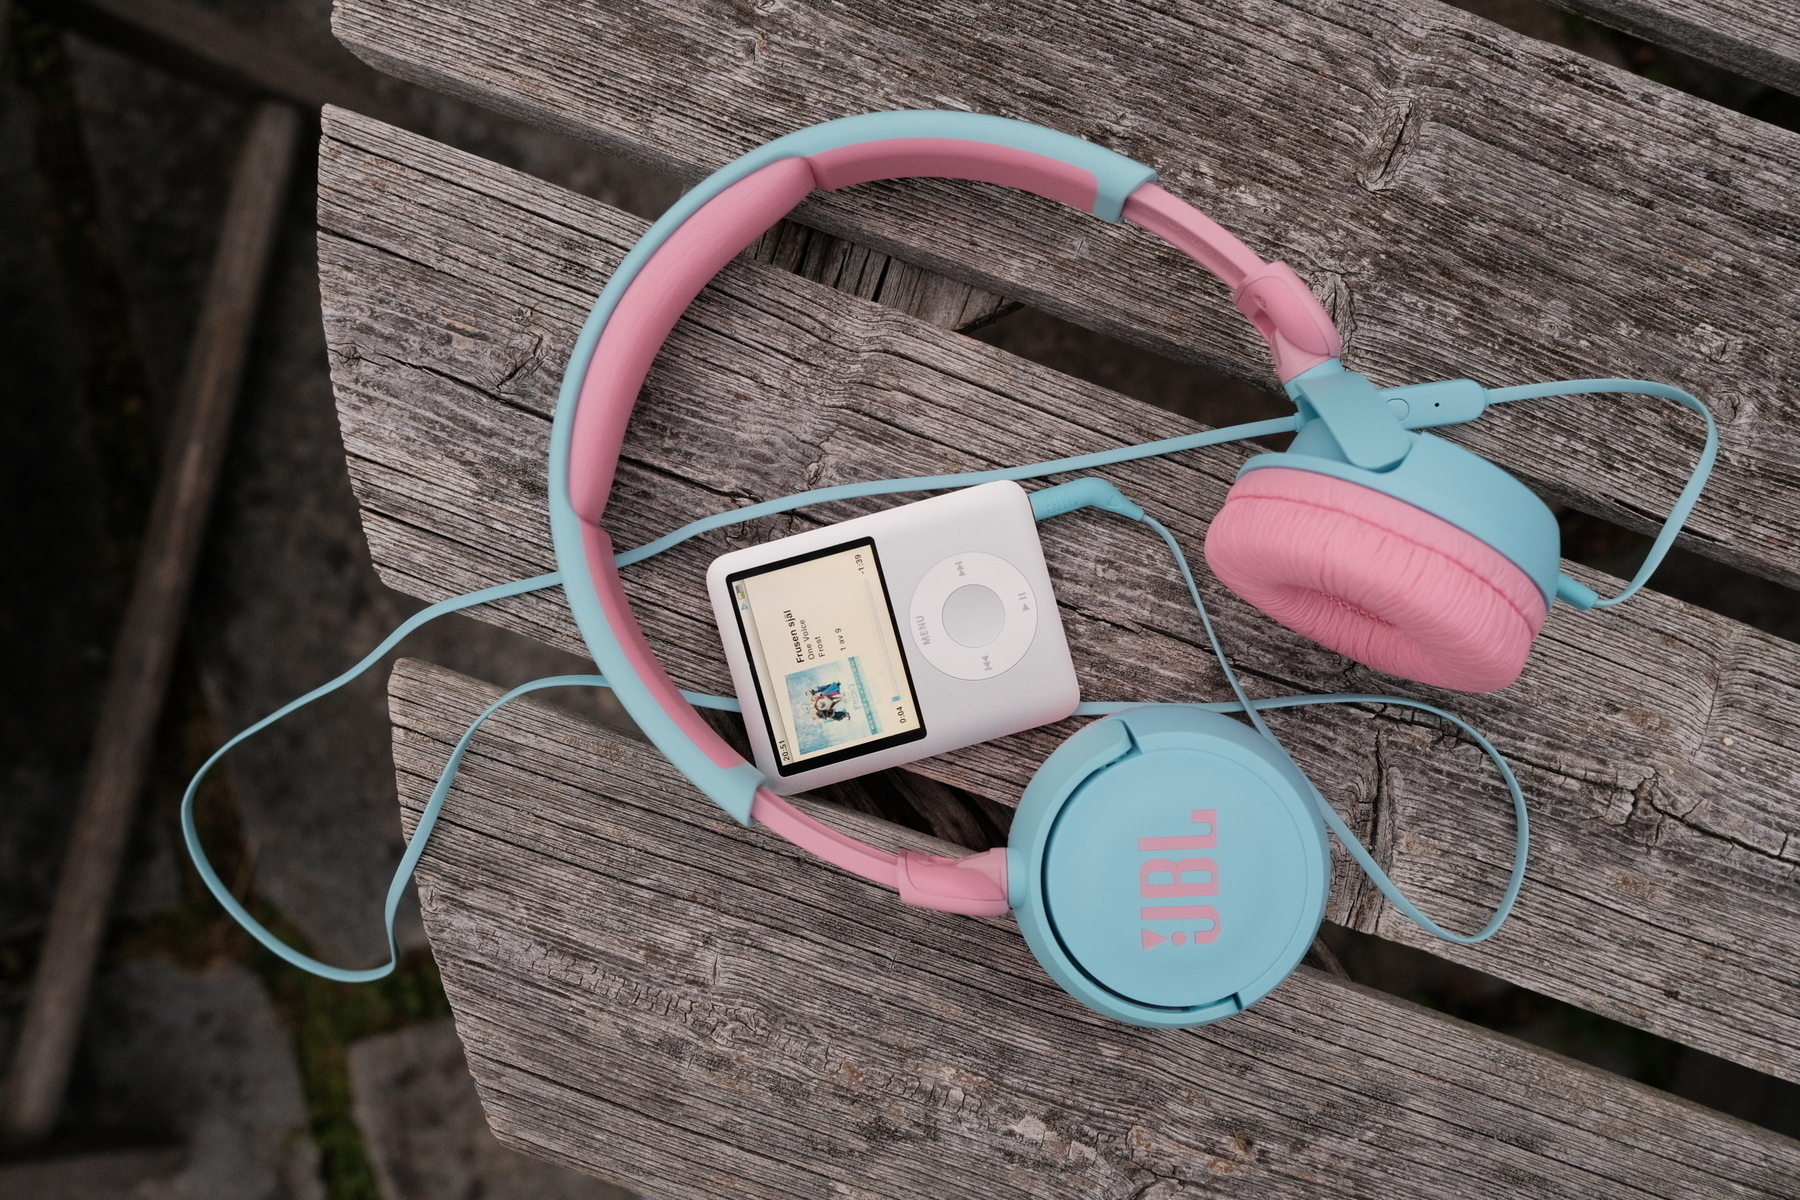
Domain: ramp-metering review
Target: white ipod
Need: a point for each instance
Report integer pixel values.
(893, 637)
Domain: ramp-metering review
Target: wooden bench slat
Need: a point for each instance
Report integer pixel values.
(1659, 744)
(1468, 201)
(654, 994)
(1749, 37)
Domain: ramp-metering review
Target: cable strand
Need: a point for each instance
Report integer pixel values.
(1690, 494)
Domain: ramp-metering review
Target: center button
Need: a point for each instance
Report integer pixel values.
(974, 615)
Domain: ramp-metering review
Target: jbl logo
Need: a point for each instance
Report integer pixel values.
(1169, 878)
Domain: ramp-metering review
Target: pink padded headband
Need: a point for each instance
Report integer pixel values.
(1281, 307)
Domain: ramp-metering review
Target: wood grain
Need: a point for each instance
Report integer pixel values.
(138, 675)
(1468, 202)
(651, 993)
(1761, 40)
(1659, 744)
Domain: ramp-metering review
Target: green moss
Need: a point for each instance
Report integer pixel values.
(324, 1017)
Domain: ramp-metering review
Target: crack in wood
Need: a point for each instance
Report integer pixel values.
(1392, 148)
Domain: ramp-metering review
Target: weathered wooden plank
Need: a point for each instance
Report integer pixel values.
(652, 993)
(1659, 744)
(1468, 201)
(1760, 40)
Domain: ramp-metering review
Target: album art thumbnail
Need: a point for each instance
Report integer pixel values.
(829, 705)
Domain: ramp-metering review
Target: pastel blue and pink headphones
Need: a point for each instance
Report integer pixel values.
(1168, 864)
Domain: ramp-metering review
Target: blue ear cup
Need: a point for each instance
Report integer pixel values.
(1167, 867)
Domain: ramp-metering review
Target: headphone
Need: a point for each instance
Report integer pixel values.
(1168, 864)
(1396, 548)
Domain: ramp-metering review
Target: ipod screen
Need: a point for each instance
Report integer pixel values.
(832, 678)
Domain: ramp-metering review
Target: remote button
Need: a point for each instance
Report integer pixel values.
(974, 615)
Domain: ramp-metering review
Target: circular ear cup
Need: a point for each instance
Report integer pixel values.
(1375, 578)
(1167, 866)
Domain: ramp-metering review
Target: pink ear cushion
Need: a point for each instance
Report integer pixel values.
(1375, 578)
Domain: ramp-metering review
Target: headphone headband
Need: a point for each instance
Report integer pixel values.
(681, 253)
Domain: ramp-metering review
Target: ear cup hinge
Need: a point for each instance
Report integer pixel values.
(1365, 428)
